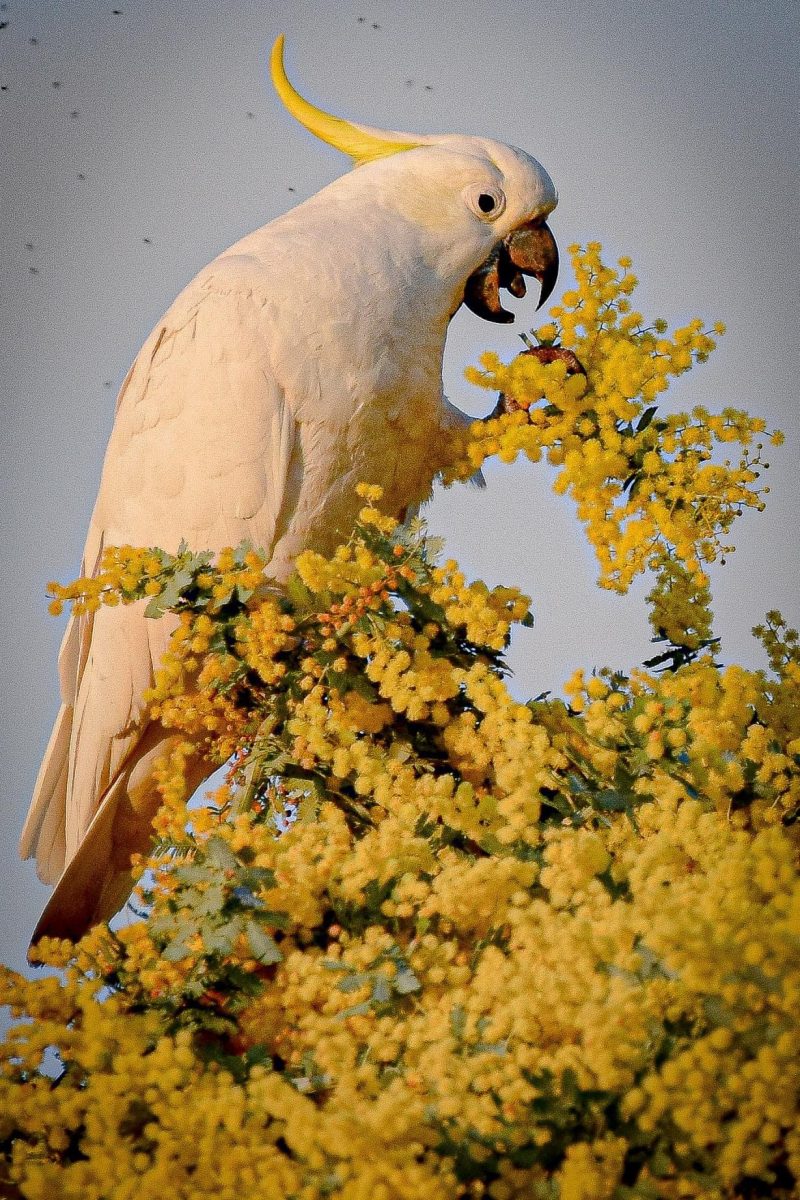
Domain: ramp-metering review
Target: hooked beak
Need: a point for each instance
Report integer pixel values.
(529, 250)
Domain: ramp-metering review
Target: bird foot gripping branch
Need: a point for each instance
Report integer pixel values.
(506, 403)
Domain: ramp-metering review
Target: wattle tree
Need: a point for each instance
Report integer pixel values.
(429, 941)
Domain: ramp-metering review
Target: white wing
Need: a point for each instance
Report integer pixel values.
(205, 448)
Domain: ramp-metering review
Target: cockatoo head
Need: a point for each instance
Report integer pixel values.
(480, 202)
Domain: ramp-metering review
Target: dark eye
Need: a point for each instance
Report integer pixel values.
(485, 201)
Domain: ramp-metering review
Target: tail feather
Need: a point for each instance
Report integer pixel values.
(42, 835)
(96, 882)
(73, 652)
(96, 794)
(97, 879)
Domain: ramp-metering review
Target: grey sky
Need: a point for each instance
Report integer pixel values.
(670, 129)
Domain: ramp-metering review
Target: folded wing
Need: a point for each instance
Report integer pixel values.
(205, 448)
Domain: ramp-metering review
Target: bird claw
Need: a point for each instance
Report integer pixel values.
(548, 354)
(545, 354)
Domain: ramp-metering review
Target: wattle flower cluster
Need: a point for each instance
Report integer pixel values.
(429, 942)
(647, 486)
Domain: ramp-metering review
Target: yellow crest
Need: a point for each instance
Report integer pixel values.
(362, 143)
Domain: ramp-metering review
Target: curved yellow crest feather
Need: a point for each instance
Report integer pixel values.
(362, 143)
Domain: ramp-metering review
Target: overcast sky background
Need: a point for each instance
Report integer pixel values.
(669, 127)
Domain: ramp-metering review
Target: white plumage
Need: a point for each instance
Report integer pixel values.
(304, 359)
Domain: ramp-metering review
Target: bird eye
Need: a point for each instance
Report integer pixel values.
(485, 201)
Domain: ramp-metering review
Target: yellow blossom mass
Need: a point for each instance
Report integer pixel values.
(646, 485)
(427, 941)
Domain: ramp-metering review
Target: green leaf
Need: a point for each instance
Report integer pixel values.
(300, 597)
(258, 1056)
(182, 577)
(458, 1020)
(193, 873)
(262, 877)
(355, 1010)
(646, 418)
(176, 951)
(338, 680)
(433, 547)
(405, 982)
(351, 983)
(611, 800)
(219, 939)
(630, 482)
(155, 606)
(220, 854)
(499, 1048)
(381, 989)
(263, 946)
(210, 901)
(275, 918)
(359, 683)
(174, 588)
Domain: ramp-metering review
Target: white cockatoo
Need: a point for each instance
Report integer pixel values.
(301, 361)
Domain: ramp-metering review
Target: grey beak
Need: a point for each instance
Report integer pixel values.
(532, 250)
(529, 250)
